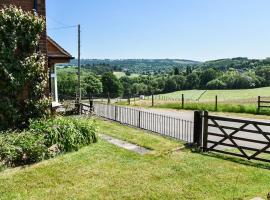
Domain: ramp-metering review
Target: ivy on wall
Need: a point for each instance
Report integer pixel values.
(23, 79)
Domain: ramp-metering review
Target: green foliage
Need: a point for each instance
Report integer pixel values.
(22, 148)
(23, 81)
(45, 139)
(170, 85)
(93, 85)
(206, 76)
(68, 134)
(67, 84)
(216, 84)
(111, 85)
(192, 81)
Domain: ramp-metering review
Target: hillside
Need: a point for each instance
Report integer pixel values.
(138, 66)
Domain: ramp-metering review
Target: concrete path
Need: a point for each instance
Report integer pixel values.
(125, 145)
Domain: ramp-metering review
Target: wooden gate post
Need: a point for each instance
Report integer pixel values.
(197, 133)
(205, 130)
(216, 103)
(259, 104)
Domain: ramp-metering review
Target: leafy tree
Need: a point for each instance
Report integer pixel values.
(67, 84)
(170, 85)
(180, 81)
(23, 80)
(93, 86)
(176, 71)
(207, 76)
(192, 81)
(153, 87)
(264, 73)
(216, 84)
(112, 87)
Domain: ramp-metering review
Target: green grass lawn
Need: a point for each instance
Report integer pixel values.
(223, 95)
(104, 171)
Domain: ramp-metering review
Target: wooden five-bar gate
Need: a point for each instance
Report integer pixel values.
(237, 137)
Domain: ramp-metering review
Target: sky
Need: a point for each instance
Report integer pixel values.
(184, 29)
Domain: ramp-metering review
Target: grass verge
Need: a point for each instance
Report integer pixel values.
(104, 171)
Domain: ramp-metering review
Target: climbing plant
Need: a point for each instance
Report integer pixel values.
(23, 76)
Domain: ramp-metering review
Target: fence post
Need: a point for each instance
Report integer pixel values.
(259, 104)
(153, 100)
(115, 113)
(197, 134)
(128, 99)
(183, 101)
(91, 106)
(216, 103)
(205, 130)
(139, 119)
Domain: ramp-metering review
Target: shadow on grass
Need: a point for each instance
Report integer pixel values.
(257, 164)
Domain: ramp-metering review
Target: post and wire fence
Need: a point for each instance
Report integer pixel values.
(164, 125)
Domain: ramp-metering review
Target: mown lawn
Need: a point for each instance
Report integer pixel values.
(104, 171)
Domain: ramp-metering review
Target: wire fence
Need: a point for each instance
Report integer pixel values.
(165, 125)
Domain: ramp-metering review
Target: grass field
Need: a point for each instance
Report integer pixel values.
(122, 74)
(104, 171)
(223, 95)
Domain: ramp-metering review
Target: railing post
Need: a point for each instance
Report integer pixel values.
(216, 103)
(205, 130)
(259, 104)
(197, 134)
(183, 101)
(153, 100)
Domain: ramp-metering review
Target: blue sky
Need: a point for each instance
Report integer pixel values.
(185, 29)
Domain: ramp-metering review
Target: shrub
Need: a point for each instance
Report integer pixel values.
(45, 139)
(67, 133)
(22, 148)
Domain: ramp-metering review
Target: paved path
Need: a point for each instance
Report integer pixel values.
(125, 145)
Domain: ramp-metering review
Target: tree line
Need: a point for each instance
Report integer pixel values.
(108, 85)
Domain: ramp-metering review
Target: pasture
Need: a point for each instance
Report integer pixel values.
(223, 95)
(122, 74)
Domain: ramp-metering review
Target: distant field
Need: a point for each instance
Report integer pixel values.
(223, 95)
(122, 74)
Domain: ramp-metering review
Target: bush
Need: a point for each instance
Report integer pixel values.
(45, 139)
(67, 133)
(22, 148)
